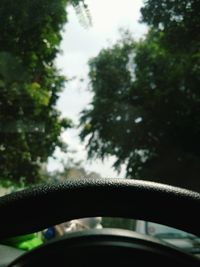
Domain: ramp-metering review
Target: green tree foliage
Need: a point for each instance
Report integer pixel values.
(71, 170)
(178, 19)
(146, 104)
(30, 125)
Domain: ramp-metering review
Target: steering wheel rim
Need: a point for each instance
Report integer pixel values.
(46, 205)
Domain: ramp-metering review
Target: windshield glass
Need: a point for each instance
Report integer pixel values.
(100, 89)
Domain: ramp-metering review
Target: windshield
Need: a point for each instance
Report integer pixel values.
(100, 89)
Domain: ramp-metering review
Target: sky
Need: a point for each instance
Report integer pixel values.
(79, 44)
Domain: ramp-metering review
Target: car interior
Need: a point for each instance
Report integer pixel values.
(99, 133)
(114, 197)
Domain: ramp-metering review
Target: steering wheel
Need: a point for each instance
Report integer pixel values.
(37, 208)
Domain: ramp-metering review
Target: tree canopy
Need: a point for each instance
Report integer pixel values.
(178, 19)
(30, 83)
(72, 170)
(146, 104)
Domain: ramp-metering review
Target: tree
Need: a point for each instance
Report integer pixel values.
(30, 83)
(145, 108)
(72, 170)
(179, 20)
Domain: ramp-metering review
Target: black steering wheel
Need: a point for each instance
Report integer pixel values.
(40, 207)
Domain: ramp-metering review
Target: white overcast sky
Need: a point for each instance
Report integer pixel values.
(78, 46)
